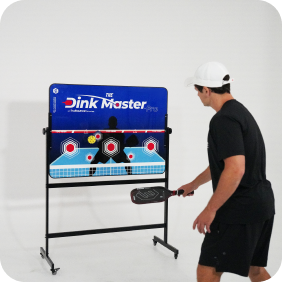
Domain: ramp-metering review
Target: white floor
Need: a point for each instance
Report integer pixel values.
(115, 257)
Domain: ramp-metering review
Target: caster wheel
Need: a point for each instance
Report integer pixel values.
(54, 271)
(175, 256)
(155, 242)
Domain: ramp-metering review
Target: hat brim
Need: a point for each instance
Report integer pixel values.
(189, 81)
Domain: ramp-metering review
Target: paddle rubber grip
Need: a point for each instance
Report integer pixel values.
(180, 192)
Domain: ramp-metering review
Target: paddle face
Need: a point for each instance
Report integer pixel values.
(150, 195)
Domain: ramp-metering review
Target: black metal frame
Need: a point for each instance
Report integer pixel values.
(45, 252)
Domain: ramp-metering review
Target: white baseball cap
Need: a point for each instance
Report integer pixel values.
(210, 75)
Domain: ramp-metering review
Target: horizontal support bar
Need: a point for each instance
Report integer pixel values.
(106, 230)
(101, 183)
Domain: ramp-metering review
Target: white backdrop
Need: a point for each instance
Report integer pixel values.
(133, 43)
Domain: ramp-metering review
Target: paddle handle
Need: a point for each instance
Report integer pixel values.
(180, 192)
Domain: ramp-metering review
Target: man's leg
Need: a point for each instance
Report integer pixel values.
(207, 274)
(258, 274)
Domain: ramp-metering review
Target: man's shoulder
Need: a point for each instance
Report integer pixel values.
(233, 107)
(220, 117)
(224, 120)
(231, 110)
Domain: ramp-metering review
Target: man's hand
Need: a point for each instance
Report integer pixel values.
(188, 188)
(201, 179)
(205, 219)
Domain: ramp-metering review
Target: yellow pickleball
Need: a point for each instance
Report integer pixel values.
(91, 139)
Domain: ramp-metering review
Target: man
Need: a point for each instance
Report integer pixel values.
(237, 221)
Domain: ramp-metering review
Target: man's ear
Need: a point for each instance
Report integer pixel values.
(207, 91)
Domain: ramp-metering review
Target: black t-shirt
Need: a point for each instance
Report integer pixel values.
(234, 131)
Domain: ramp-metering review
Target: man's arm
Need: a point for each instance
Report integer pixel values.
(234, 169)
(201, 179)
(229, 181)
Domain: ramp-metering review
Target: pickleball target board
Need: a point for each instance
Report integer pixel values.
(106, 130)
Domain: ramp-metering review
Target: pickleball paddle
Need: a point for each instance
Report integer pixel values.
(150, 195)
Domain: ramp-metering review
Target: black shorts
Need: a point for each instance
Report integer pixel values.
(235, 247)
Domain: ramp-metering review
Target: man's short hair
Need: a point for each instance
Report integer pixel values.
(218, 90)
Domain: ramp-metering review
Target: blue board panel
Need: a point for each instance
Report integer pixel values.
(80, 112)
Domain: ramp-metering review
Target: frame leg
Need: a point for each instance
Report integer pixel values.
(162, 242)
(50, 262)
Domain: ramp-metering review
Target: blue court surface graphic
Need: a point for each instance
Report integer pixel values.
(79, 165)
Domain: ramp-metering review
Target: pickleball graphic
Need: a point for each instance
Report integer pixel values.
(91, 139)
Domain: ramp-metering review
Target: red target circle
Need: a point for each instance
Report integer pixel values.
(89, 157)
(111, 147)
(151, 146)
(130, 156)
(117, 104)
(98, 136)
(70, 147)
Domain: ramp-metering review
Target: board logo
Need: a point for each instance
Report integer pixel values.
(103, 103)
(56, 90)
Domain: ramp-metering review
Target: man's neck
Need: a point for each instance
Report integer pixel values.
(218, 100)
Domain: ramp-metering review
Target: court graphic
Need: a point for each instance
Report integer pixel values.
(80, 165)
